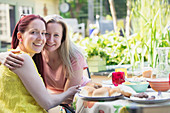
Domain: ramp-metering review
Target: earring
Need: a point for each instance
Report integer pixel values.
(21, 41)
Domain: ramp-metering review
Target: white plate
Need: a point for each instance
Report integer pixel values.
(165, 97)
(100, 98)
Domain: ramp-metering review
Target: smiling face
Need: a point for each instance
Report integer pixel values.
(33, 37)
(53, 36)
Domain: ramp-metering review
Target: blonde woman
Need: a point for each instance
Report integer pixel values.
(61, 55)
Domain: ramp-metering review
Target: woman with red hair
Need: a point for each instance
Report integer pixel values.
(22, 89)
(62, 59)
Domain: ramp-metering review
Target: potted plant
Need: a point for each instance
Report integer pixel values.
(108, 49)
(96, 59)
(95, 53)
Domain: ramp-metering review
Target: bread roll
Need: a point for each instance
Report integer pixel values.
(87, 91)
(126, 90)
(147, 74)
(95, 85)
(114, 91)
(100, 92)
(108, 88)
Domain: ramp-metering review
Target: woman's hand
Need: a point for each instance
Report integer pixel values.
(74, 89)
(11, 60)
(71, 92)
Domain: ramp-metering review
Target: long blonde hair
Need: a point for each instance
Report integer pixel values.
(68, 50)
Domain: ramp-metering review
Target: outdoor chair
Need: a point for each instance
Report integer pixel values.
(88, 73)
(75, 27)
(68, 108)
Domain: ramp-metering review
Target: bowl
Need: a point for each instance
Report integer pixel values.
(159, 84)
(137, 86)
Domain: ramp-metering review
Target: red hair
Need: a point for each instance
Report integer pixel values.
(21, 26)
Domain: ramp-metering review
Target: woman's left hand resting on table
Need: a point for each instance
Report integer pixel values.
(11, 60)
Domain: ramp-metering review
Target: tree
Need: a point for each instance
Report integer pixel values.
(128, 17)
(113, 13)
(77, 7)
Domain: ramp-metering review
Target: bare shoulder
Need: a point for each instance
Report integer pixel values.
(28, 62)
(25, 56)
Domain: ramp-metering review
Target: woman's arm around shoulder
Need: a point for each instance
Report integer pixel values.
(10, 59)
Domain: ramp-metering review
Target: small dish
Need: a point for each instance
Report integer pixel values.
(137, 86)
(159, 84)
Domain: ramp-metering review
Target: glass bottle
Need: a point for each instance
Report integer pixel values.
(163, 68)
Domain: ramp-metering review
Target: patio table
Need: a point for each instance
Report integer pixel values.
(119, 106)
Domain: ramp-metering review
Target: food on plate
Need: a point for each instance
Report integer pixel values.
(126, 90)
(129, 83)
(151, 98)
(143, 82)
(114, 91)
(108, 88)
(94, 84)
(101, 92)
(141, 95)
(134, 83)
(87, 91)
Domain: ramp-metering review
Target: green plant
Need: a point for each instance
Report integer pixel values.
(94, 46)
(150, 21)
(110, 46)
(116, 49)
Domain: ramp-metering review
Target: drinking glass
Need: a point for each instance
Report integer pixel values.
(122, 70)
(118, 78)
(162, 70)
(169, 78)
